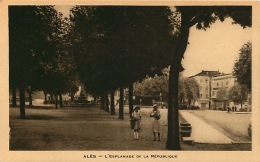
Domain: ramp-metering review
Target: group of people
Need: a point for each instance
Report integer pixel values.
(234, 108)
(155, 114)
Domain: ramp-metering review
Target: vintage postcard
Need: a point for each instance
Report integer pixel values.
(129, 81)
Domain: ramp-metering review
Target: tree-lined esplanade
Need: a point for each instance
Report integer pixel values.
(39, 55)
(107, 48)
(116, 46)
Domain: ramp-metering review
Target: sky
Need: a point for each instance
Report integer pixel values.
(65, 10)
(217, 48)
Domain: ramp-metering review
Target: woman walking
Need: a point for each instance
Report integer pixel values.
(136, 116)
(155, 114)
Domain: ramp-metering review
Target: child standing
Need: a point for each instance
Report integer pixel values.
(136, 116)
(155, 123)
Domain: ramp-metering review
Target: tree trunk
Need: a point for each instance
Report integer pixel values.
(72, 97)
(189, 102)
(51, 95)
(56, 101)
(14, 97)
(30, 97)
(131, 101)
(45, 97)
(121, 103)
(112, 107)
(60, 99)
(107, 102)
(95, 99)
(103, 102)
(173, 141)
(22, 101)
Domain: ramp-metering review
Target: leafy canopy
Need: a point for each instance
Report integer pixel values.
(243, 66)
(116, 46)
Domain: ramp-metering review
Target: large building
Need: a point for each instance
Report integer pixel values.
(204, 80)
(222, 82)
(214, 87)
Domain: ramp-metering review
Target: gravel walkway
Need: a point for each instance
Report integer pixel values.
(81, 129)
(203, 132)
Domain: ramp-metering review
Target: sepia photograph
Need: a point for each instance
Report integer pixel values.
(131, 82)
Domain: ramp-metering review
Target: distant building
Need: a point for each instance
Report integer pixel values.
(204, 80)
(224, 82)
(210, 84)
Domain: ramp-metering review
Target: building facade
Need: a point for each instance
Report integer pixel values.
(225, 81)
(204, 79)
(222, 83)
(214, 87)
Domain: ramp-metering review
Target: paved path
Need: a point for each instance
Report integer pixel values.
(203, 132)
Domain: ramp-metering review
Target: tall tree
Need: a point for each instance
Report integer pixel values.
(182, 91)
(37, 42)
(121, 104)
(14, 97)
(103, 102)
(120, 45)
(222, 95)
(238, 94)
(112, 94)
(20, 40)
(30, 28)
(130, 98)
(112, 36)
(152, 86)
(243, 66)
(107, 102)
(184, 18)
(192, 90)
(60, 100)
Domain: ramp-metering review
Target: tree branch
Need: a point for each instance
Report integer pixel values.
(193, 21)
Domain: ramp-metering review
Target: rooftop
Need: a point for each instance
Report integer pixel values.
(208, 73)
(221, 76)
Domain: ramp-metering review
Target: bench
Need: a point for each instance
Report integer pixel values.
(188, 140)
(185, 129)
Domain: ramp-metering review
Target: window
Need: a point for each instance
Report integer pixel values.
(213, 93)
(200, 95)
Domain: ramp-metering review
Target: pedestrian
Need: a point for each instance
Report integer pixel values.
(155, 114)
(229, 109)
(235, 108)
(136, 116)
